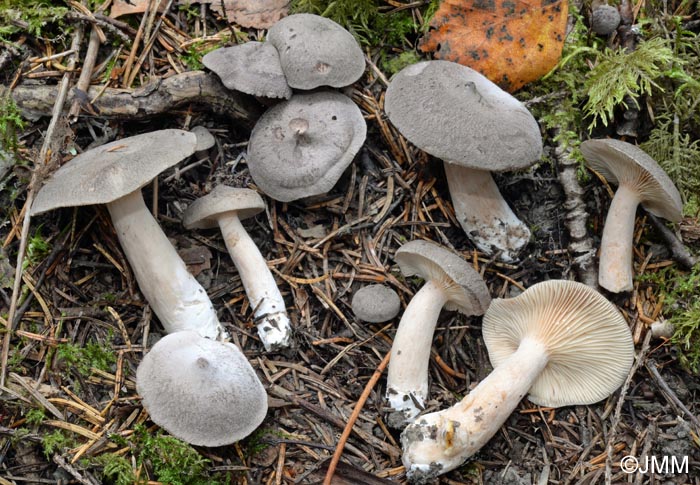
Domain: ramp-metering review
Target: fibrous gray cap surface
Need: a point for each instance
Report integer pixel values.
(315, 51)
(375, 303)
(468, 292)
(588, 341)
(621, 162)
(252, 68)
(113, 170)
(203, 212)
(202, 391)
(301, 147)
(456, 114)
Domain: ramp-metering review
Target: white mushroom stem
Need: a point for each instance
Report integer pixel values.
(439, 442)
(174, 294)
(615, 273)
(483, 213)
(407, 379)
(265, 298)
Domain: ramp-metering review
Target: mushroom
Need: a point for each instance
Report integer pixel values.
(205, 140)
(450, 282)
(375, 304)
(640, 180)
(561, 341)
(301, 147)
(456, 114)
(604, 19)
(201, 391)
(315, 51)
(226, 207)
(113, 174)
(253, 68)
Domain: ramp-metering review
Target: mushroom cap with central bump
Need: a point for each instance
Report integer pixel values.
(315, 51)
(588, 342)
(252, 68)
(466, 289)
(205, 140)
(456, 114)
(111, 171)
(201, 391)
(623, 163)
(301, 147)
(375, 303)
(203, 212)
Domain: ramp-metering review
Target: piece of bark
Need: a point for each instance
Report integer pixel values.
(258, 14)
(580, 243)
(155, 98)
(679, 252)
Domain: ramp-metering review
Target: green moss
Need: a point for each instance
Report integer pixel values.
(28, 16)
(394, 64)
(35, 417)
(56, 442)
(83, 359)
(116, 469)
(37, 249)
(10, 123)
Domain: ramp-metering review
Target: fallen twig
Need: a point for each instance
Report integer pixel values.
(679, 252)
(669, 394)
(157, 97)
(580, 244)
(353, 417)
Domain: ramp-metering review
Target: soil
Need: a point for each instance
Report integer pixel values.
(321, 251)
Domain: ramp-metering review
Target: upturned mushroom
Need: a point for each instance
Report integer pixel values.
(561, 341)
(226, 207)
(450, 282)
(315, 51)
(301, 147)
(252, 68)
(201, 391)
(375, 304)
(456, 114)
(640, 180)
(113, 174)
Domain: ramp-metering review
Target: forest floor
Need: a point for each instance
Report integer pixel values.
(69, 411)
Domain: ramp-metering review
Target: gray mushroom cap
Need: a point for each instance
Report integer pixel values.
(375, 303)
(623, 163)
(253, 68)
(205, 140)
(456, 114)
(605, 19)
(315, 51)
(108, 172)
(203, 212)
(202, 391)
(588, 342)
(467, 290)
(301, 147)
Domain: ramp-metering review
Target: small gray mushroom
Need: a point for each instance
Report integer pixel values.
(640, 180)
(605, 19)
(201, 391)
(301, 147)
(456, 114)
(375, 304)
(225, 207)
(113, 174)
(450, 282)
(252, 68)
(315, 51)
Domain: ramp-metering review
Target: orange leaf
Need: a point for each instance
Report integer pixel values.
(511, 42)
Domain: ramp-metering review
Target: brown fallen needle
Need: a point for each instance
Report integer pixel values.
(353, 418)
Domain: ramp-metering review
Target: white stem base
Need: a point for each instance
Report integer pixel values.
(615, 271)
(439, 442)
(174, 294)
(483, 213)
(407, 379)
(265, 298)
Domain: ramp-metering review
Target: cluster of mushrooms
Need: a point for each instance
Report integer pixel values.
(559, 342)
